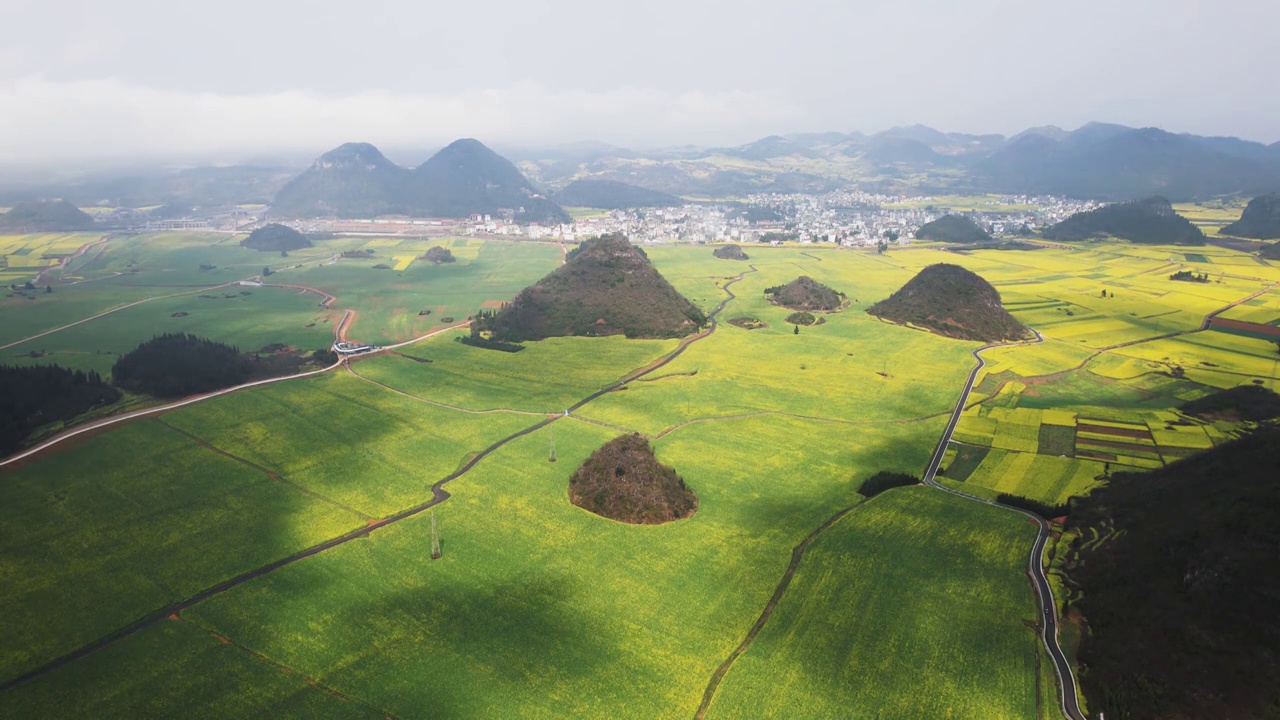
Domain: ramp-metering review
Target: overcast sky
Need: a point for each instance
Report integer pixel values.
(227, 79)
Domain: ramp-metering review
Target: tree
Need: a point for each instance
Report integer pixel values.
(797, 331)
(891, 235)
(284, 253)
(48, 289)
(29, 285)
(266, 271)
(881, 247)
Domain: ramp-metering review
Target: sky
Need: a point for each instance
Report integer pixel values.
(87, 80)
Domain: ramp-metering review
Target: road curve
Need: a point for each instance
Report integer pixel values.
(1035, 567)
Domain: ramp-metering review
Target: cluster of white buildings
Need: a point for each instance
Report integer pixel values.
(846, 217)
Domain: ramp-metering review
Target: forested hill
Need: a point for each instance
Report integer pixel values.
(951, 301)
(275, 238)
(953, 228)
(466, 178)
(607, 287)
(1149, 221)
(612, 195)
(1180, 594)
(1261, 219)
(45, 216)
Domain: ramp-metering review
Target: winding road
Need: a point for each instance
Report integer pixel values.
(1035, 566)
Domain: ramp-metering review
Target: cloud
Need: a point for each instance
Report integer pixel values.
(57, 120)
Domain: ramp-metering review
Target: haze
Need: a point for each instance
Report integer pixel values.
(132, 79)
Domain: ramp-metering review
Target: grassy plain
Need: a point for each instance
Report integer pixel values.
(879, 608)
(538, 608)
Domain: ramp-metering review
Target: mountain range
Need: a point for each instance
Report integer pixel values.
(1097, 161)
(466, 178)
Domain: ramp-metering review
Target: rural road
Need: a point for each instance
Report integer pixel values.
(1048, 611)
(438, 494)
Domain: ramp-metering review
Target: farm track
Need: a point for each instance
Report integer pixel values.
(438, 496)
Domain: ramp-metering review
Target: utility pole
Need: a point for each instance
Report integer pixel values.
(435, 538)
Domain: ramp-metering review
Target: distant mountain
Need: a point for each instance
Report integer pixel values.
(612, 195)
(465, 178)
(953, 228)
(45, 216)
(468, 178)
(275, 238)
(953, 302)
(1261, 219)
(1150, 221)
(352, 180)
(607, 287)
(1111, 162)
(1178, 590)
(774, 146)
(884, 151)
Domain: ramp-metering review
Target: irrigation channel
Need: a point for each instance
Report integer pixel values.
(438, 493)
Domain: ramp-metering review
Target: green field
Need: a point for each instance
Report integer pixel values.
(872, 624)
(915, 603)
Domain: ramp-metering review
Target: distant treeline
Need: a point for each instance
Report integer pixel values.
(38, 395)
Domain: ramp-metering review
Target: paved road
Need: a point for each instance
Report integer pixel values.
(1044, 593)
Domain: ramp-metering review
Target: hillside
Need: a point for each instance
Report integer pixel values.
(466, 178)
(1271, 251)
(623, 481)
(45, 216)
(607, 287)
(275, 238)
(805, 293)
(953, 302)
(953, 228)
(1150, 221)
(612, 195)
(1180, 598)
(1261, 219)
(351, 181)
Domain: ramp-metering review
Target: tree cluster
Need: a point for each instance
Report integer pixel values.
(178, 364)
(37, 395)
